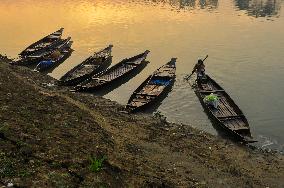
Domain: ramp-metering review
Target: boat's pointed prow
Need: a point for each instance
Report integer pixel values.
(59, 32)
(172, 62)
(68, 39)
(147, 52)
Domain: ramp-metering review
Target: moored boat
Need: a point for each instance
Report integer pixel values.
(153, 87)
(43, 43)
(114, 73)
(39, 55)
(92, 65)
(227, 115)
(55, 58)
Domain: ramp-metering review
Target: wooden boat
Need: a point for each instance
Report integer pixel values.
(92, 65)
(55, 58)
(115, 73)
(153, 87)
(43, 43)
(227, 115)
(39, 55)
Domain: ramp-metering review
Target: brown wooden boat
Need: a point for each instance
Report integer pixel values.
(113, 74)
(39, 55)
(46, 42)
(153, 87)
(92, 65)
(228, 115)
(54, 59)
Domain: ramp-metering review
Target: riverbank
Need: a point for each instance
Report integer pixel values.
(49, 134)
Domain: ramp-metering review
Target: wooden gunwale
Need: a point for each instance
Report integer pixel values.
(70, 79)
(228, 115)
(28, 50)
(65, 50)
(113, 73)
(148, 98)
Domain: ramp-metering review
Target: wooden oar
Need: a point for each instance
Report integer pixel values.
(205, 58)
(194, 71)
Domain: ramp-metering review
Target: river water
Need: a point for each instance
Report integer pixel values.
(243, 38)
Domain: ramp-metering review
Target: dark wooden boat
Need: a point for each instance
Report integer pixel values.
(51, 61)
(39, 55)
(92, 65)
(153, 87)
(43, 43)
(115, 73)
(228, 115)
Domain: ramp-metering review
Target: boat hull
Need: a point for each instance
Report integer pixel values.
(227, 116)
(153, 104)
(39, 56)
(115, 75)
(49, 41)
(98, 62)
(78, 80)
(155, 88)
(106, 87)
(65, 56)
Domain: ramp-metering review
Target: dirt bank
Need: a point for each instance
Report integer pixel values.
(48, 135)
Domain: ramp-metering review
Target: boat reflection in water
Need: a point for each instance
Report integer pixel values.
(260, 8)
(255, 8)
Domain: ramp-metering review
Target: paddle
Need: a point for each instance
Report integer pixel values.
(205, 58)
(194, 71)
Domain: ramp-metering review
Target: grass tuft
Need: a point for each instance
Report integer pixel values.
(96, 163)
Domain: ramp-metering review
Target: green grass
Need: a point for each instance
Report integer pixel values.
(11, 167)
(4, 127)
(7, 167)
(96, 163)
(24, 173)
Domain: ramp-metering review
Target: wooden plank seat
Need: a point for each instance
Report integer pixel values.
(139, 101)
(166, 69)
(134, 63)
(43, 45)
(235, 127)
(89, 65)
(165, 74)
(35, 56)
(85, 68)
(211, 91)
(145, 94)
(235, 124)
(209, 86)
(32, 49)
(230, 117)
(101, 80)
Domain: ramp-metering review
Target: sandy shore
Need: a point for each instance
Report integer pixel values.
(48, 135)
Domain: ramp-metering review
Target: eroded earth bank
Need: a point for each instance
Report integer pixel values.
(48, 136)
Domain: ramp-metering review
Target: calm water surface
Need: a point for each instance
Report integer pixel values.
(243, 38)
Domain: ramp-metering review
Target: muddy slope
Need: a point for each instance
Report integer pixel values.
(48, 135)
